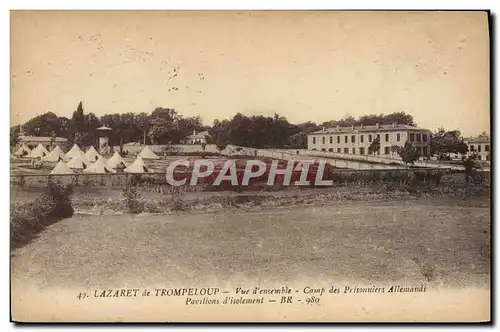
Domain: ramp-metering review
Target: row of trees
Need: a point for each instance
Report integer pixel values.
(166, 125)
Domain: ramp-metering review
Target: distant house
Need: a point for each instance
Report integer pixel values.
(33, 141)
(480, 145)
(197, 138)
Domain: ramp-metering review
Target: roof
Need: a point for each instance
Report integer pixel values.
(199, 135)
(39, 151)
(40, 139)
(92, 154)
(478, 139)
(137, 166)
(99, 167)
(115, 160)
(73, 151)
(55, 155)
(147, 153)
(61, 168)
(78, 162)
(367, 128)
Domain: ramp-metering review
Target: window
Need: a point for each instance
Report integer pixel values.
(424, 137)
(387, 137)
(338, 139)
(424, 151)
(353, 138)
(331, 139)
(346, 150)
(345, 139)
(387, 150)
(486, 148)
(330, 149)
(361, 138)
(370, 138)
(488, 157)
(361, 150)
(398, 137)
(378, 137)
(412, 137)
(353, 150)
(323, 149)
(314, 140)
(419, 138)
(471, 148)
(314, 149)
(478, 157)
(479, 148)
(323, 139)
(339, 150)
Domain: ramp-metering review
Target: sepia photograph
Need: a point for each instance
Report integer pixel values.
(250, 166)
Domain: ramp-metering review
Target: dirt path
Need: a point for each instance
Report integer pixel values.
(433, 243)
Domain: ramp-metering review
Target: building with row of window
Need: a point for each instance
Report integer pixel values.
(47, 142)
(479, 145)
(357, 139)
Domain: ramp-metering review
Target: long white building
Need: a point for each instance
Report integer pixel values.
(357, 139)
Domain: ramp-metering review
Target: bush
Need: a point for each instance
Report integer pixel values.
(132, 197)
(28, 219)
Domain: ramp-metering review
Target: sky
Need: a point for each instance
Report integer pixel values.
(308, 66)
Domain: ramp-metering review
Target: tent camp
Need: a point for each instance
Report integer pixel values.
(24, 150)
(39, 151)
(78, 162)
(74, 151)
(115, 160)
(61, 168)
(92, 154)
(55, 155)
(147, 153)
(137, 166)
(99, 167)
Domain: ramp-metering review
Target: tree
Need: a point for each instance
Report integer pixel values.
(374, 146)
(159, 130)
(395, 149)
(444, 142)
(471, 166)
(408, 153)
(14, 136)
(43, 125)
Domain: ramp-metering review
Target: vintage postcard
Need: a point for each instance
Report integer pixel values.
(250, 166)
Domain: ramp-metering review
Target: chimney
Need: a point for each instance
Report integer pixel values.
(352, 127)
(324, 129)
(338, 128)
(361, 126)
(194, 132)
(394, 125)
(377, 125)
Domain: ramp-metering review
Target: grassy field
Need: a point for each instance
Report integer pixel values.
(439, 242)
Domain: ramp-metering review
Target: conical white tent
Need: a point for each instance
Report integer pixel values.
(92, 154)
(39, 151)
(147, 153)
(74, 151)
(137, 166)
(55, 155)
(24, 150)
(115, 160)
(61, 168)
(99, 167)
(78, 162)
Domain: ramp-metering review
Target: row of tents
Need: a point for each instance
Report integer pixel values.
(90, 162)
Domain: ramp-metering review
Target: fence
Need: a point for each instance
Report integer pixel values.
(338, 176)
